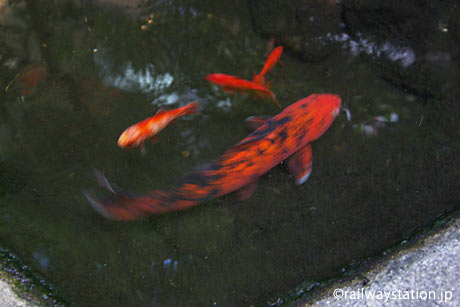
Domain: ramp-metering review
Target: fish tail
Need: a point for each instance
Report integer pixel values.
(191, 108)
(121, 205)
(271, 60)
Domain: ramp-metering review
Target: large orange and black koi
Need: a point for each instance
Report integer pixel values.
(284, 136)
(232, 84)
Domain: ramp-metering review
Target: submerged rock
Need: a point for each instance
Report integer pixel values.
(304, 27)
(412, 43)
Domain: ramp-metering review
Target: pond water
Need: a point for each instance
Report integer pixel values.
(75, 74)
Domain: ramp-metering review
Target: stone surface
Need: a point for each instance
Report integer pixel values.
(9, 299)
(426, 275)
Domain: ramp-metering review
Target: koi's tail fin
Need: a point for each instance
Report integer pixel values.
(191, 108)
(125, 206)
(272, 59)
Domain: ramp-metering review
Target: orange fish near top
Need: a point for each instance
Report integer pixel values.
(272, 59)
(234, 84)
(30, 77)
(284, 136)
(136, 134)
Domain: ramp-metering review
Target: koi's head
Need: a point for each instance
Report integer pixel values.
(324, 107)
(336, 103)
(321, 111)
(331, 105)
(131, 137)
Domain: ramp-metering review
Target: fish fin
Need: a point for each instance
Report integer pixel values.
(122, 207)
(274, 99)
(246, 191)
(272, 96)
(95, 203)
(103, 181)
(259, 79)
(160, 110)
(143, 150)
(300, 164)
(254, 122)
(191, 108)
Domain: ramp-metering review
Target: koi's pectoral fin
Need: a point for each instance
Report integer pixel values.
(246, 191)
(272, 96)
(300, 164)
(276, 101)
(143, 152)
(254, 122)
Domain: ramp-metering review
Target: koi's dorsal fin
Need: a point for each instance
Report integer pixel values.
(300, 164)
(254, 122)
(160, 110)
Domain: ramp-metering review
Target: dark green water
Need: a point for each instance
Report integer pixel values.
(107, 68)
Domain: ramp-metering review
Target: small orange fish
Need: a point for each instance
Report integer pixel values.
(232, 84)
(272, 59)
(29, 78)
(287, 135)
(136, 134)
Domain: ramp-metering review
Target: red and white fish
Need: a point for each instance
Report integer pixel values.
(136, 134)
(287, 135)
(272, 59)
(233, 84)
